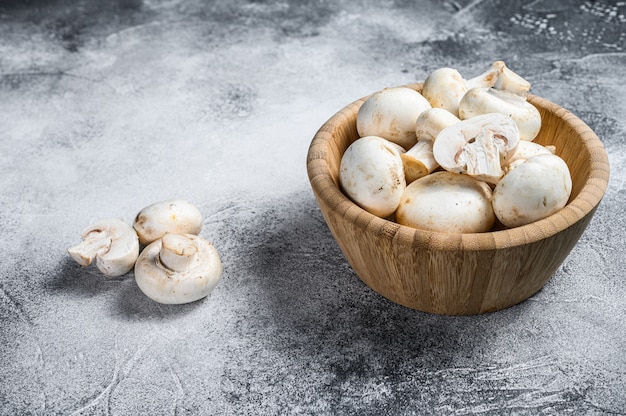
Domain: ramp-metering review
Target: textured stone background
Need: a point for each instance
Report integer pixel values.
(106, 107)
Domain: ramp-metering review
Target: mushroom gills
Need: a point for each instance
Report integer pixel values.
(482, 157)
(479, 146)
(112, 243)
(95, 242)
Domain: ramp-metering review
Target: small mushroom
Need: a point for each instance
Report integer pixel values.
(371, 174)
(391, 114)
(112, 243)
(447, 202)
(533, 190)
(478, 146)
(526, 150)
(478, 101)
(178, 268)
(172, 215)
(445, 87)
(419, 161)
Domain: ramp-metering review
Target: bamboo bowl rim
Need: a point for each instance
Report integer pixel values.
(582, 204)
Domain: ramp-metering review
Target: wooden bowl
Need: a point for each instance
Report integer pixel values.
(459, 274)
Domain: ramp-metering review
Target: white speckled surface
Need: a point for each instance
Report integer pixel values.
(106, 107)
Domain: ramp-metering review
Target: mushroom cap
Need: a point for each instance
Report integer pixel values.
(526, 150)
(112, 242)
(168, 286)
(372, 175)
(478, 146)
(444, 88)
(533, 190)
(446, 202)
(169, 216)
(391, 114)
(431, 121)
(478, 101)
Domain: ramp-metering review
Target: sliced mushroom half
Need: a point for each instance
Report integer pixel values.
(112, 243)
(478, 147)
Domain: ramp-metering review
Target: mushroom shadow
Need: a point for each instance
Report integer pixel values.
(132, 304)
(129, 303)
(76, 280)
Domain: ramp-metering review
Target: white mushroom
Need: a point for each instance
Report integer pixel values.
(478, 146)
(178, 268)
(526, 150)
(391, 114)
(445, 87)
(172, 215)
(478, 101)
(533, 190)
(112, 243)
(448, 203)
(371, 174)
(419, 161)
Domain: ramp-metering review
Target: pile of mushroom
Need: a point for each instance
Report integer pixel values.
(176, 265)
(458, 157)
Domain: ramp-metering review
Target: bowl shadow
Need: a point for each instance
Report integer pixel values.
(321, 312)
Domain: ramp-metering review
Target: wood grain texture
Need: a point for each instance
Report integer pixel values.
(459, 274)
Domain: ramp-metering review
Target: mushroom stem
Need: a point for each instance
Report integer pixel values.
(96, 242)
(419, 161)
(178, 252)
(485, 80)
(499, 76)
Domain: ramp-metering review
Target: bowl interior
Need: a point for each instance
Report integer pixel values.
(575, 142)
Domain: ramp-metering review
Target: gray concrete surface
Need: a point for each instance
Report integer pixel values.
(106, 107)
